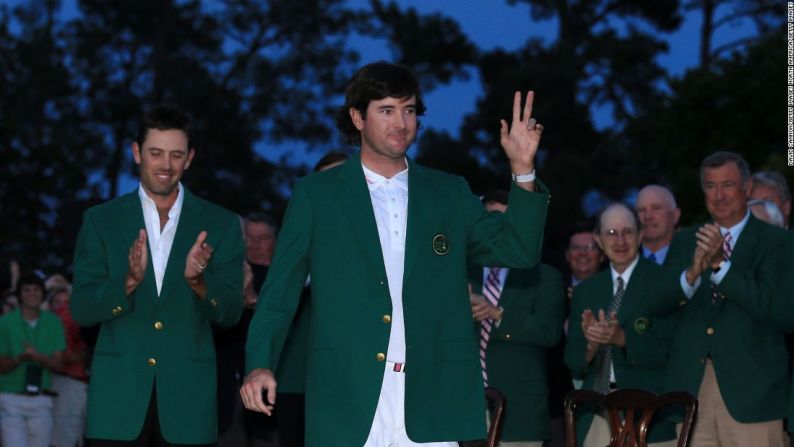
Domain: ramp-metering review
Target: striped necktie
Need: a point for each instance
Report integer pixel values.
(727, 249)
(604, 359)
(491, 290)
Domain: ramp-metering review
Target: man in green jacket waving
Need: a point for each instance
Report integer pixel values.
(392, 356)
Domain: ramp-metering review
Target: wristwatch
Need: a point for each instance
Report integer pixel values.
(524, 178)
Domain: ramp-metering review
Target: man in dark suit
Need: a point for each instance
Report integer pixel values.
(155, 267)
(727, 349)
(614, 341)
(387, 242)
(519, 316)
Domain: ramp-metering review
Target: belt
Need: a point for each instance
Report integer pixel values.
(396, 367)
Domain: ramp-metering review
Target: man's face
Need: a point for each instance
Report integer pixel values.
(31, 295)
(59, 300)
(389, 128)
(259, 241)
(726, 194)
(764, 192)
(163, 159)
(658, 216)
(583, 255)
(619, 237)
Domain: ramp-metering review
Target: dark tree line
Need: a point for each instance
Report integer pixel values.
(74, 83)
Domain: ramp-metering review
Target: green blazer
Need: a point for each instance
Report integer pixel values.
(640, 364)
(134, 352)
(330, 232)
(738, 332)
(534, 308)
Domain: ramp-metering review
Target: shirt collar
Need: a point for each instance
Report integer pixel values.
(374, 179)
(626, 275)
(736, 230)
(659, 253)
(176, 208)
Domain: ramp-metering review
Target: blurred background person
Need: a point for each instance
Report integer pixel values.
(767, 211)
(70, 382)
(659, 216)
(771, 185)
(519, 315)
(31, 345)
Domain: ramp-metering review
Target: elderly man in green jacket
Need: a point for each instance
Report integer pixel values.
(614, 339)
(392, 356)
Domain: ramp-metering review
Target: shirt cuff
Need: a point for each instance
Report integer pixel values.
(689, 291)
(717, 275)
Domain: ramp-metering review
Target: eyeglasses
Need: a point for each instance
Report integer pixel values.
(583, 247)
(626, 233)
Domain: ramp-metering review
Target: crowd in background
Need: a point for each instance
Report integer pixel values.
(556, 326)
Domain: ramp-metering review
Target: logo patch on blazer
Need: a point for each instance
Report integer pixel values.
(641, 325)
(440, 244)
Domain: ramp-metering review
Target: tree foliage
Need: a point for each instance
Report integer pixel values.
(256, 74)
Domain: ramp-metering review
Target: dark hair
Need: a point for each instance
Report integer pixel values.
(634, 215)
(29, 278)
(262, 218)
(496, 195)
(330, 158)
(373, 82)
(583, 226)
(721, 158)
(165, 117)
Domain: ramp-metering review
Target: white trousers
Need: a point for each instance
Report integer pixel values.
(69, 410)
(388, 427)
(25, 421)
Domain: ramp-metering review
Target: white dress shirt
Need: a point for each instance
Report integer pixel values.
(390, 204)
(160, 242)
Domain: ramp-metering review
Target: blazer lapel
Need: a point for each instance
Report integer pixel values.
(421, 208)
(742, 249)
(357, 204)
(635, 290)
(187, 231)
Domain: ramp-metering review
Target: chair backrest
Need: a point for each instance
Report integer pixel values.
(630, 412)
(496, 409)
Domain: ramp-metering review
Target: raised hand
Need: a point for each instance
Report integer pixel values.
(708, 252)
(710, 240)
(138, 257)
(521, 139)
(198, 257)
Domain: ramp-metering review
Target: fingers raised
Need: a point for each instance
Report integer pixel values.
(528, 105)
